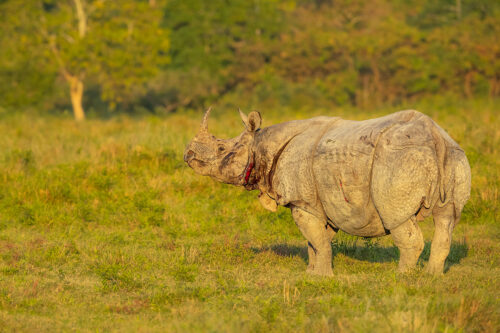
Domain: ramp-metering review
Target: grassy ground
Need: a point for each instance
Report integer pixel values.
(103, 228)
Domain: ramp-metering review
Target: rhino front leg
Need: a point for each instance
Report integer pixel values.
(444, 222)
(408, 238)
(311, 254)
(319, 238)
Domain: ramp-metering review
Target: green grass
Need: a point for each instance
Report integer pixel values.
(103, 228)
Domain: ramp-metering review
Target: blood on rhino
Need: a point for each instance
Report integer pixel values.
(368, 178)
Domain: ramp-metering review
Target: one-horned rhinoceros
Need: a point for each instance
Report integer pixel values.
(368, 178)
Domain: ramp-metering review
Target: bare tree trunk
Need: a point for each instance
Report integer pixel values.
(76, 94)
(75, 83)
(468, 84)
(377, 92)
(82, 18)
(494, 87)
(458, 8)
(362, 93)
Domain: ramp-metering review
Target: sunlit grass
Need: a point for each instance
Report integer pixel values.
(102, 227)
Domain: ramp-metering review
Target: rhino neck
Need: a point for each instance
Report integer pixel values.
(269, 144)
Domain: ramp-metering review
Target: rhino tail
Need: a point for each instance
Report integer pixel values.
(441, 156)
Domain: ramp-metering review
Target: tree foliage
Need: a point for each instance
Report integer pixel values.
(165, 55)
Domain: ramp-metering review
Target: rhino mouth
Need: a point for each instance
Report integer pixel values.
(198, 166)
(192, 161)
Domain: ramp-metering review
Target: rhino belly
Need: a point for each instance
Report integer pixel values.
(353, 218)
(343, 183)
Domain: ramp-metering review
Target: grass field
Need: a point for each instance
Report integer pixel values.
(104, 228)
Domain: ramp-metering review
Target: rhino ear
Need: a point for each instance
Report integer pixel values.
(254, 121)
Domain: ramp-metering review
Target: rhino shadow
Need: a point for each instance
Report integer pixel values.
(367, 252)
(284, 250)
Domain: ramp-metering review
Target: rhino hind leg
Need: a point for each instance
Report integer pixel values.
(319, 238)
(410, 242)
(398, 191)
(444, 222)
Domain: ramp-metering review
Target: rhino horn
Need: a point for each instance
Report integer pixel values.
(204, 122)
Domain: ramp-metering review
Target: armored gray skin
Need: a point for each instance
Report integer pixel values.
(368, 178)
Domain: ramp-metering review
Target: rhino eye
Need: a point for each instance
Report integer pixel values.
(221, 149)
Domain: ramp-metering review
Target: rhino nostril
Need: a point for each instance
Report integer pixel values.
(188, 156)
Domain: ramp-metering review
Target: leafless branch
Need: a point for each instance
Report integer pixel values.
(82, 18)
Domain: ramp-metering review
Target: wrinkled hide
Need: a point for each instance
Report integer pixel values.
(367, 178)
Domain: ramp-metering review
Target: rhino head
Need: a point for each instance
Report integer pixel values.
(229, 161)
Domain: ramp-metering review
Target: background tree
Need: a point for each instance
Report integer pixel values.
(115, 45)
(164, 56)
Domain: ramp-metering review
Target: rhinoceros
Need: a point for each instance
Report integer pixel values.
(368, 178)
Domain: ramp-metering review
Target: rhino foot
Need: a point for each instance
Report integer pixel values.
(325, 271)
(436, 270)
(405, 268)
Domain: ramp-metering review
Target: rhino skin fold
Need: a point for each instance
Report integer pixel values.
(368, 178)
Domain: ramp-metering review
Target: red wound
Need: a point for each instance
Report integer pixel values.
(249, 171)
(343, 191)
